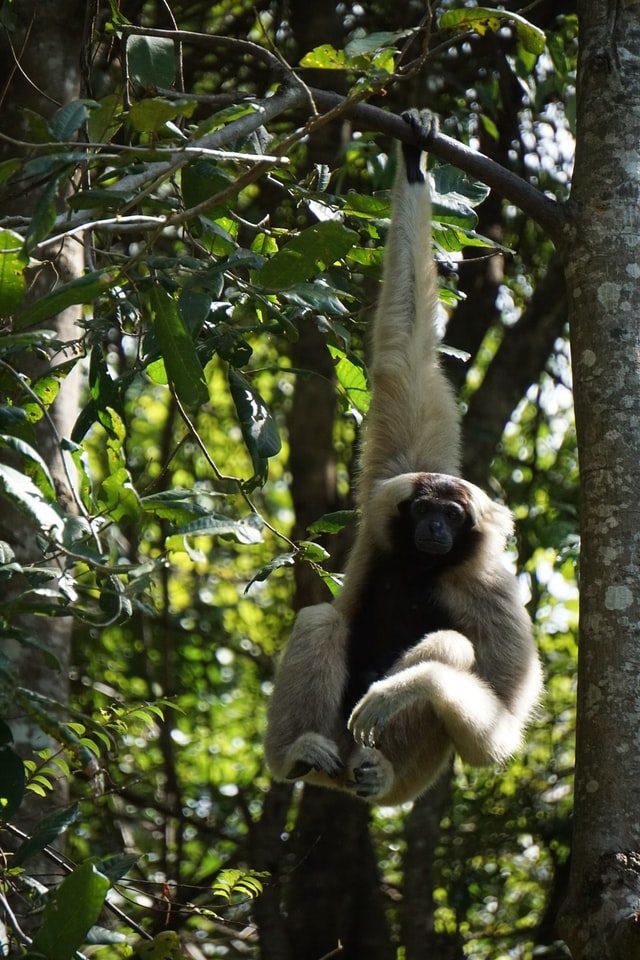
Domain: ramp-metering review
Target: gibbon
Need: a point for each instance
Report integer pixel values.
(428, 648)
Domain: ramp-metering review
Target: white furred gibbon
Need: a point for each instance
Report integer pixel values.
(428, 648)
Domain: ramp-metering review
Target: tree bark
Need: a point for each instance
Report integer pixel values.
(600, 919)
(48, 42)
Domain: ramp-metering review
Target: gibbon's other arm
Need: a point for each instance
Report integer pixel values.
(413, 423)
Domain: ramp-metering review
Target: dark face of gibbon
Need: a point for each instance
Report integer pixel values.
(434, 526)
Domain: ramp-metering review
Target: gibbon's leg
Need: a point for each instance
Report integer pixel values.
(304, 717)
(370, 774)
(413, 422)
(478, 723)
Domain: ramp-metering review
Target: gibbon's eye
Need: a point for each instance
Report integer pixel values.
(454, 514)
(420, 507)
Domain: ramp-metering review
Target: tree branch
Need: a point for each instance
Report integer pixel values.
(548, 213)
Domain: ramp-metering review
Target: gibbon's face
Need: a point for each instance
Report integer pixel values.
(435, 524)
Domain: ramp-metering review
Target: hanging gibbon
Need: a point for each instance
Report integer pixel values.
(428, 648)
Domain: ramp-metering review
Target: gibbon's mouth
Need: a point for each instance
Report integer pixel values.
(433, 546)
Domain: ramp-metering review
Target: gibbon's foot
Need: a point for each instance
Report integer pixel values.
(370, 775)
(424, 126)
(312, 751)
(373, 712)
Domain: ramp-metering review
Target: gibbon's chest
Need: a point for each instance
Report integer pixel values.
(397, 607)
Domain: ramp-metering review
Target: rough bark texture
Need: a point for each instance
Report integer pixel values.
(603, 272)
(49, 42)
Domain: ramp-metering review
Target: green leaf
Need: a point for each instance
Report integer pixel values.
(84, 289)
(315, 249)
(26, 450)
(374, 41)
(12, 264)
(164, 946)
(119, 495)
(246, 530)
(73, 908)
(48, 830)
(68, 119)
(200, 181)
(325, 57)
(151, 61)
(44, 215)
(177, 348)
(177, 505)
(258, 427)
(151, 115)
(116, 865)
(317, 296)
(332, 522)
(352, 379)
(247, 883)
(23, 491)
(105, 121)
(448, 180)
(284, 560)
(482, 19)
(12, 782)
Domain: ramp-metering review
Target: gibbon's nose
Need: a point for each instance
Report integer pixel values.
(439, 530)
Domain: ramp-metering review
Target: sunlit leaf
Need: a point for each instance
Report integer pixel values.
(12, 264)
(482, 19)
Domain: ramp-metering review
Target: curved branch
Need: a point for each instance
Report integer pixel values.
(549, 214)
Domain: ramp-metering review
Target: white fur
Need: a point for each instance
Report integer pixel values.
(472, 689)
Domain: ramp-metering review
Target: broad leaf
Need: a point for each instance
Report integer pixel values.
(23, 491)
(313, 250)
(69, 118)
(258, 427)
(12, 264)
(48, 830)
(151, 61)
(177, 348)
(246, 530)
(72, 910)
(84, 289)
(482, 19)
(352, 379)
(332, 522)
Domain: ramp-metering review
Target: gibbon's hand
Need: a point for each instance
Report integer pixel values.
(311, 751)
(380, 703)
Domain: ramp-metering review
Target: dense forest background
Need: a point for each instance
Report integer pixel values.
(190, 248)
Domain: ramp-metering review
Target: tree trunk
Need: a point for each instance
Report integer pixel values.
(48, 39)
(600, 919)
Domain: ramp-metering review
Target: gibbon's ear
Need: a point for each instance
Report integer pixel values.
(488, 516)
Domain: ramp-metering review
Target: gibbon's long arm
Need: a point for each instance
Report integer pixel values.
(413, 423)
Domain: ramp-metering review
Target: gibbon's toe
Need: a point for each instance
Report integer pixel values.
(371, 775)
